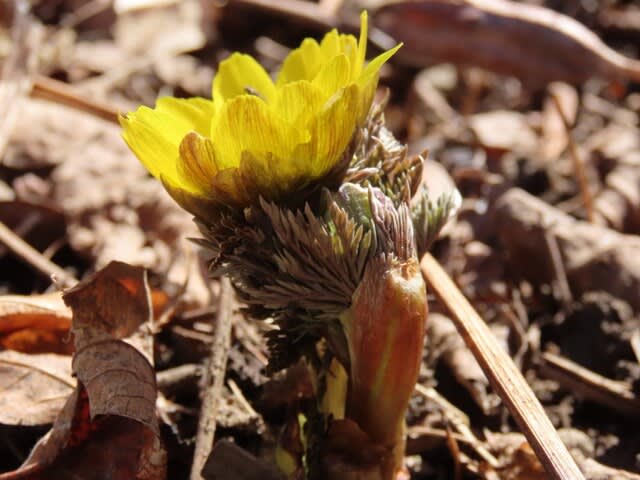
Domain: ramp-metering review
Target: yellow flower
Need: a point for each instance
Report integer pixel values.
(258, 137)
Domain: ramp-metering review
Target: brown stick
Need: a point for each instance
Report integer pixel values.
(614, 394)
(504, 376)
(60, 92)
(214, 379)
(578, 162)
(33, 257)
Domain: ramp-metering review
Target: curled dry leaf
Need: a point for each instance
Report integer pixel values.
(35, 324)
(533, 43)
(108, 427)
(111, 305)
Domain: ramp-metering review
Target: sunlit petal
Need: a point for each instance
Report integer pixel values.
(256, 138)
(298, 102)
(197, 163)
(246, 123)
(362, 43)
(331, 132)
(303, 63)
(193, 113)
(333, 76)
(330, 45)
(240, 74)
(154, 137)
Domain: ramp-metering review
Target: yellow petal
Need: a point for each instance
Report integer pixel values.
(374, 65)
(349, 48)
(330, 45)
(333, 76)
(331, 132)
(240, 74)
(368, 81)
(298, 102)
(230, 188)
(154, 137)
(302, 63)
(338, 123)
(362, 43)
(196, 112)
(197, 164)
(263, 175)
(245, 123)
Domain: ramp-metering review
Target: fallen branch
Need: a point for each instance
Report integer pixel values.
(576, 158)
(583, 382)
(34, 258)
(63, 93)
(214, 379)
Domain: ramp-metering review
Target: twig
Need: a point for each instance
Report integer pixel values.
(33, 257)
(418, 435)
(60, 92)
(505, 378)
(179, 379)
(460, 421)
(214, 379)
(235, 389)
(26, 225)
(588, 384)
(576, 158)
(558, 266)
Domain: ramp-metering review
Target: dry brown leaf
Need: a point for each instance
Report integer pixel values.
(504, 130)
(108, 427)
(33, 388)
(35, 324)
(533, 43)
(97, 449)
